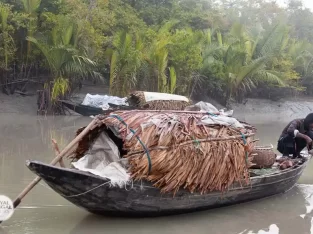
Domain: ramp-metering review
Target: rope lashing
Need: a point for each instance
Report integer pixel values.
(196, 141)
(142, 144)
(214, 115)
(88, 191)
(94, 188)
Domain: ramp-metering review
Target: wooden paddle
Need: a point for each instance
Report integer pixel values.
(67, 150)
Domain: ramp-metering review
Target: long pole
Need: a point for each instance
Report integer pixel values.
(64, 152)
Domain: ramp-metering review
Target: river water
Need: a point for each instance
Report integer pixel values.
(45, 212)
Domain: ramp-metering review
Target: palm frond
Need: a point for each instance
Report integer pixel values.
(266, 76)
(30, 6)
(173, 79)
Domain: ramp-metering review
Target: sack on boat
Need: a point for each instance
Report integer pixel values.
(158, 101)
(102, 101)
(175, 150)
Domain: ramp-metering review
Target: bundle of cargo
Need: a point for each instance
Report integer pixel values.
(179, 150)
(158, 101)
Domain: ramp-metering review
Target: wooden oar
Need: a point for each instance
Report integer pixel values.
(64, 152)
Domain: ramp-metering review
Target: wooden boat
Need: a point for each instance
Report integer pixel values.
(95, 194)
(90, 110)
(136, 101)
(82, 109)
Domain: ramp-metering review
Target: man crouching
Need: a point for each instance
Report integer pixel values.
(295, 136)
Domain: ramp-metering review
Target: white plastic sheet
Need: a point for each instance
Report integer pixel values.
(216, 116)
(221, 120)
(102, 101)
(153, 96)
(208, 107)
(103, 160)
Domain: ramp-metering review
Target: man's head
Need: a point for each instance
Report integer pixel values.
(308, 122)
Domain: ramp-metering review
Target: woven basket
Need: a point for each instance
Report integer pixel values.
(263, 158)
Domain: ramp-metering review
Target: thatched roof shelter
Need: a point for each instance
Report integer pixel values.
(178, 149)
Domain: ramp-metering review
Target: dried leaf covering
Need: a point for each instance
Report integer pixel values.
(184, 153)
(137, 99)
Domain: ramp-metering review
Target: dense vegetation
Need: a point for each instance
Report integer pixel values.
(229, 50)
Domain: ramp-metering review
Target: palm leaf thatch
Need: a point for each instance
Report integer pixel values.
(137, 99)
(176, 150)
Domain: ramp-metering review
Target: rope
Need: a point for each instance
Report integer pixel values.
(209, 113)
(80, 194)
(142, 144)
(243, 138)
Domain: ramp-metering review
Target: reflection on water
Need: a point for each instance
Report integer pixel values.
(45, 212)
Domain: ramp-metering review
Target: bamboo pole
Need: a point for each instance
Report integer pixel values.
(57, 150)
(169, 111)
(65, 151)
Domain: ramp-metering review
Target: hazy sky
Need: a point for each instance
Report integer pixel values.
(307, 3)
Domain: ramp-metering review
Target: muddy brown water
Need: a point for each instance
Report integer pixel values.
(45, 212)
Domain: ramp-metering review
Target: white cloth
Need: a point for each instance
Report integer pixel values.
(208, 107)
(296, 132)
(103, 160)
(221, 120)
(153, 96)
(102, 101)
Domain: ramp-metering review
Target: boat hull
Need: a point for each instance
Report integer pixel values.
(95, 194)
(82, 109)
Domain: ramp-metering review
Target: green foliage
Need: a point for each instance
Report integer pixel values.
(5, 10)
(64, 57)
(173, 80)
(232, 47)
(60, 88)
(238, 64)
(126, 59)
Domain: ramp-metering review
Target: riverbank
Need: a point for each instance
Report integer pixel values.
(253, 110)
(18, 104)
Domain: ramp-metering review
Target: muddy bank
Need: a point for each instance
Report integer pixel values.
(18, 104)
(263, 111)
